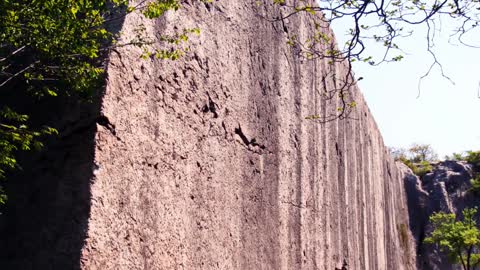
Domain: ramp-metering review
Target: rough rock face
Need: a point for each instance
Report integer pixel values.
(445, 189)
(207, 162)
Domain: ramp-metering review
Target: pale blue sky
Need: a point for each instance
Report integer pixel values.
(445, 116)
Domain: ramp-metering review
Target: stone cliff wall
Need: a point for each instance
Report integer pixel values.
(207, 162)
(213, 165)
(445, 189)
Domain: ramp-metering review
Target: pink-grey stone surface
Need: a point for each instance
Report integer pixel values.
(208, 162)
(212, 164)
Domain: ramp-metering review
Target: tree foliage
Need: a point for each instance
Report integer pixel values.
(475, 182)
(418, 157)
(56, 48)
(472, 157)
(458, 239)
(422, 152)
(14, 136)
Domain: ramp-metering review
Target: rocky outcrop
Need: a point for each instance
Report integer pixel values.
(208, 162)
(445, 189)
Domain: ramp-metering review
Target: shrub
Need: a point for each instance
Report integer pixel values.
(473, 157)
(420, 169)
(403, 236)
(475, 185)
(422, 152)
(417, 157)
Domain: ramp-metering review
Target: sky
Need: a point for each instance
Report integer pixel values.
(444, 115)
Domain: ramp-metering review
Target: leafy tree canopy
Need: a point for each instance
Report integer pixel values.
(459, 239)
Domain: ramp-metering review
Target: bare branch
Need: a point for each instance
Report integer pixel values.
(13, 53)
(18, 73)
(435, 62)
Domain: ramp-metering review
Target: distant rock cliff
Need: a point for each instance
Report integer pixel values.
(445, 189)
(207, 162)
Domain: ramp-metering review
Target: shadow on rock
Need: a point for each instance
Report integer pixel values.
(45, 222)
